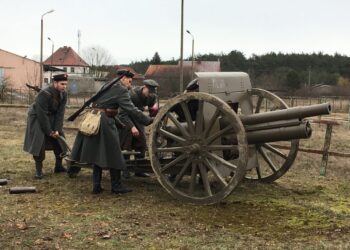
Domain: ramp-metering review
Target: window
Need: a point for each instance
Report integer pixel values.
(46, 80)
(65, 69)
(72, 69)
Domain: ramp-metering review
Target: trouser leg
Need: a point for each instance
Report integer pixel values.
(140, 146)
(116, 184)
(126, 172)
(96, 179)
(39, 163)
(58, 152)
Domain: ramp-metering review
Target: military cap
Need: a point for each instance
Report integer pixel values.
(151, 85)
(192, 85)
(60, 77)
(125, 72)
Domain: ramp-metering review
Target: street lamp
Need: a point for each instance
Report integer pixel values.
(182, 47)
(192, 68)
(41, 46)
(52, 48)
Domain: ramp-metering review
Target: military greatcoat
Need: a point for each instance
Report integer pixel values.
(103, 149)
(45, 115)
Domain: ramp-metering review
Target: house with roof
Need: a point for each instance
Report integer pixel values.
(16, 70)
(66, 60)
(168, 76)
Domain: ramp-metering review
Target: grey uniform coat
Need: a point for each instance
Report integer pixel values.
(45, 115)
(103, 149)
(140, 102)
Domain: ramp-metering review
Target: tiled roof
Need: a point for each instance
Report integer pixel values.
(65, 56)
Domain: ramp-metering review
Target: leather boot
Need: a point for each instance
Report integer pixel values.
(117, 187)
(96, 180)
(58, 166)
(38, 170)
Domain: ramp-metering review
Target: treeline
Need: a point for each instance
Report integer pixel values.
(275, 70)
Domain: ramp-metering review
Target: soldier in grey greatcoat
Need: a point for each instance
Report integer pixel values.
(103, 149)
(45, 124)
(133, 135)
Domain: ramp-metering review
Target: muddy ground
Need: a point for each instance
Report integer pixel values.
(301, 210)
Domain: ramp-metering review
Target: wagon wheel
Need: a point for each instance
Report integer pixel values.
(190, 165)
(273, 162)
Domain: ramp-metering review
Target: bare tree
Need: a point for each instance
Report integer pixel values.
(97, 56)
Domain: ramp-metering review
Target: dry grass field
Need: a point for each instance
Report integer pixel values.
(301, 210)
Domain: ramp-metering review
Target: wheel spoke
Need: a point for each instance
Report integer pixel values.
(172, 136)
(267, 159)
(188, 117)
(182, 172)
(173, 162)
(218, 134)
(274, 150)
(178, 125)
(199, 118)
(258, 104)
(204, 175)
(258, 171)
(193, 178)
(211, 122)
(215, 172)
(222, 161)
(171, 149)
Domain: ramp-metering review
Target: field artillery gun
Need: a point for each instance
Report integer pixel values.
(204, 142)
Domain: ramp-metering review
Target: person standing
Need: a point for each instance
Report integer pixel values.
(45, 124)
(103, 149)
(133, 135)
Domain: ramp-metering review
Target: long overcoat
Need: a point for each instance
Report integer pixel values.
(45, 115)
(103, 149)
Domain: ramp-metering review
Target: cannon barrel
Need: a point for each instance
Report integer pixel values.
(280, 125)
(265, 132)
(287, 114)
(301, 131)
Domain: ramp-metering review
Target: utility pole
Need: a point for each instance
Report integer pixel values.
(182, 48)
(309, 82)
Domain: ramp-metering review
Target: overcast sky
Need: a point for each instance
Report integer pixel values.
(135, 29)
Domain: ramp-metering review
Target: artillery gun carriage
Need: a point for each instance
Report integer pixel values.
(204, 142)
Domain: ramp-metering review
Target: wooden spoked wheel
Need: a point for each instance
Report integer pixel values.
(273, 162)
(186, 148)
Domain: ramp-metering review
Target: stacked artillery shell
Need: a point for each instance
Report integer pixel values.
(20, 190)
(3, 182)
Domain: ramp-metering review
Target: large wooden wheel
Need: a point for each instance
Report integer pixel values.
(272, 161)
(186, 149)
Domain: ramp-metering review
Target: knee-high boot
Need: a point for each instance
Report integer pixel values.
(38, 170)
(96, 180)
(58, 166)
(117, 187)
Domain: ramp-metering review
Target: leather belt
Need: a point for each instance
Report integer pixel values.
(107, 111)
